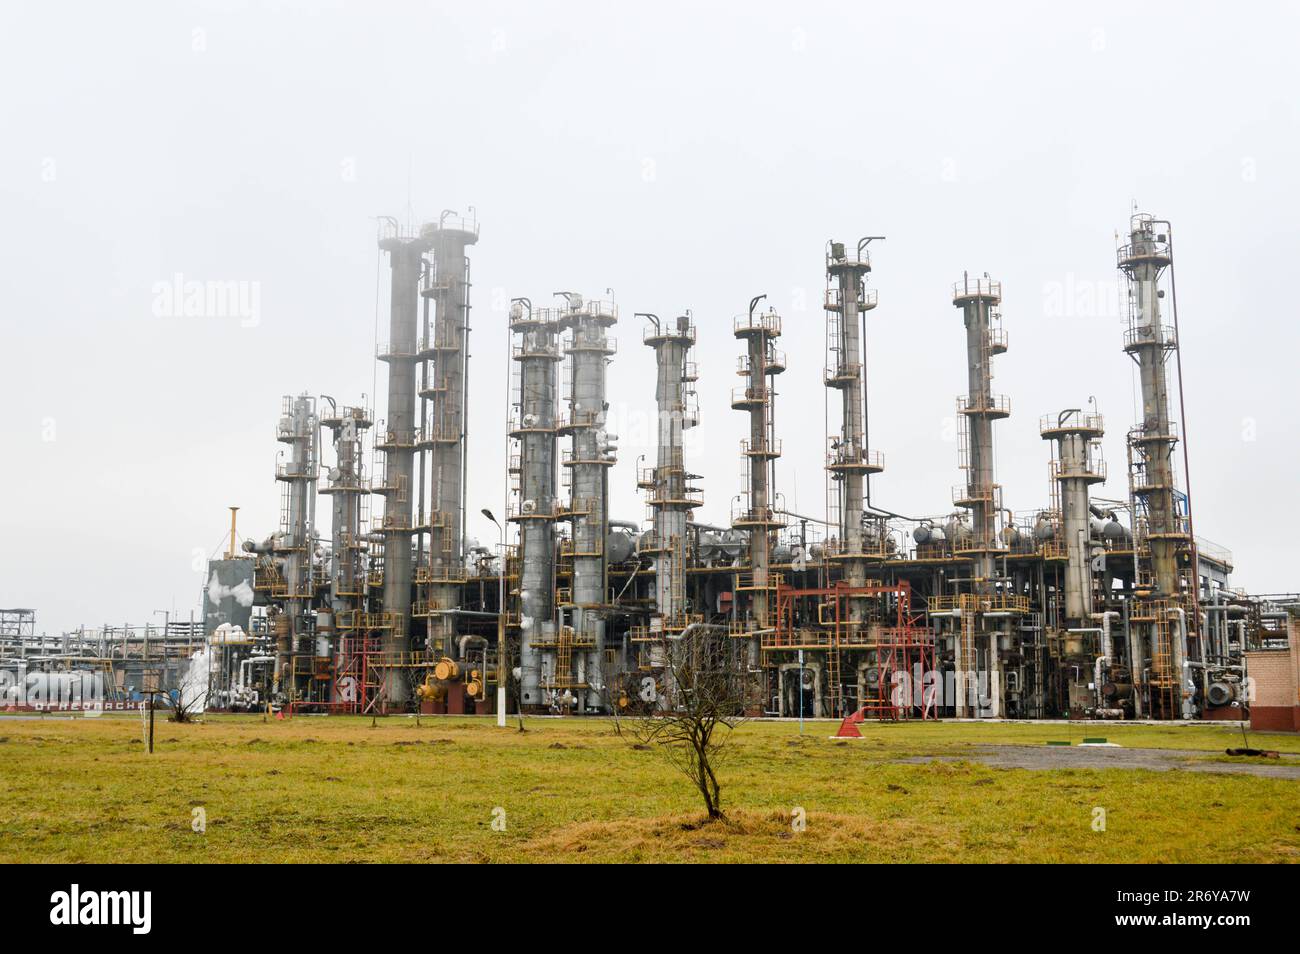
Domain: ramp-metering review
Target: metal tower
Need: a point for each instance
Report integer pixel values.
(849, 464)
(300, 429)
(588, 460)
(349, 490)
(978, 299)
(397, 443)
(671, 496)
(1076, 465)
(1161, 526)
(441, 441)
(757, 516)
(533, 465)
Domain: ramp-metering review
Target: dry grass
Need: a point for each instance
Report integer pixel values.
(315, 789)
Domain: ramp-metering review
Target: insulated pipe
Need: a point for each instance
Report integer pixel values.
(1107, 648)
(1180, 659)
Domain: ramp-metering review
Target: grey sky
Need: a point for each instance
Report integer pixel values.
(684, 157)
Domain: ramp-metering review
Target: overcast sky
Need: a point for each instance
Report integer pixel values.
(686, 156)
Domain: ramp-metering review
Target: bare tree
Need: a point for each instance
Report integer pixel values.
(702, 702)
(189, 698)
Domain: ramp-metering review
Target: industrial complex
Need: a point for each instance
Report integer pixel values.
(367, 598)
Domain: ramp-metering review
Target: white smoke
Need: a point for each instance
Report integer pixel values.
(241, 591)
(194, 684)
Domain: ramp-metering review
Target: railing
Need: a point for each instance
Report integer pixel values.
(764, 448)
(832, 300)
(749, 397)
(1140, 435)
(1141, 335)
(765, 516)
(773, 362)
(384, 351)
(603, 311)
(995, 404)
(669, 329)
(1134, 253)
(438, 432)
(873, 545)
(964, 493)
(693, 496)
(849, 458)
(295, 470)
(574, 419)
(976, 288)
(843, 371)
(1092, 470)
(768, 322)
(1213, 551)
(847, 255)
(535, 349)
(531, 510)
(578, 506)
(746, 581)
(601, 344)
(1072, 421)
(402, 438)
(443, 340)
(974, 602)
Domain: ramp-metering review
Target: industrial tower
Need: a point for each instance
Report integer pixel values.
(849, 463)
(1161, 518)
(981, 496)
(536, 356)
(671, 498)
(757, 514)
(397, 443)
(443, 356)
(579, 659)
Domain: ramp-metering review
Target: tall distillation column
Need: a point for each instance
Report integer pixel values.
(849, 463)
(1076, 465)
(300, 429)
(757, 516)
(978, 299)
(348, 489)
(442, 439)
(1158, 522)
(671, 498)
(406, 258)
(533, 463)
(588, 460)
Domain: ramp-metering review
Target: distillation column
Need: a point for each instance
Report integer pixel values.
(347, 487)
(300, 429)
(978, 299)
(849, 463)
(1076, 466)
(443, 436)
(534, 503)
(757, 516)
(1153, 485)
(406, 258)
(589, 458)
(671, 498)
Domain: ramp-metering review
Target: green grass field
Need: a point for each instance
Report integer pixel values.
(338, 789)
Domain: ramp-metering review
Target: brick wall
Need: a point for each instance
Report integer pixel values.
(1276, 675)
